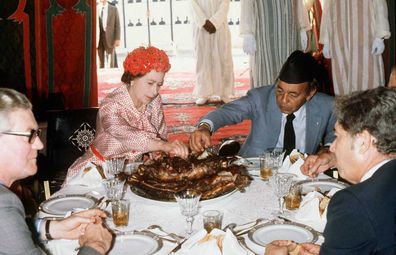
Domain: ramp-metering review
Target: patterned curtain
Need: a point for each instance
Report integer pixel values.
(15, 46)
(48, 48)
(314, 7)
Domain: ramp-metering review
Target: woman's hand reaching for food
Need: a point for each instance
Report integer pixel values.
(176, 148)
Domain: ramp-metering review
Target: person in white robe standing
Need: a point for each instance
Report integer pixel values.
(271, 31)
(353, 34)
(212, 46)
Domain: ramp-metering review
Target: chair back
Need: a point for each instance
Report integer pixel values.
(69, 134)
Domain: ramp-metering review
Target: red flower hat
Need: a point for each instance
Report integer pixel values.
(142, 60)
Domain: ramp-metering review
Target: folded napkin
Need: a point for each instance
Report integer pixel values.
(309, 212)
(217, 242)
(332, 192)
(87, 176)
(293, 168)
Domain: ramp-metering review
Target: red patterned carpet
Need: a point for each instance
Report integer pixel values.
(181, 113)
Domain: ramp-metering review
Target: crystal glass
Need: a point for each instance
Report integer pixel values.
(281, 183)
(114, 188)
(113, 167)
(188, 201)
(212, 219)
(277, 154)
(293, 198)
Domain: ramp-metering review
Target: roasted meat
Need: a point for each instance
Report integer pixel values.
(213, 176)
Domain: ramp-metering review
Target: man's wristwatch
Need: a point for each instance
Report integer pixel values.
(204, 125)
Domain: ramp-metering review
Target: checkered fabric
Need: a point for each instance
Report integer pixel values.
(122, 130)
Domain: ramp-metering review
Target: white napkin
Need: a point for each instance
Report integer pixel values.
(203, 244)
(231, 245)
(332, 192)
(288, 167)
(87, 176)
(309, 213)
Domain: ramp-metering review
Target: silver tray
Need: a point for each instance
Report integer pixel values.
(146, 195)
(62, 204)
(271, 231)
(136, 242)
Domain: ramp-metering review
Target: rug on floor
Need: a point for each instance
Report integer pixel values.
(180, 121)
(181, 113)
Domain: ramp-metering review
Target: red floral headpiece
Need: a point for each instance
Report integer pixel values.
(142, 60)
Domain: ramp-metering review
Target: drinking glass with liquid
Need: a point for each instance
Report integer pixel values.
(293, 198)
(120, 212)
(212, 219)
(266, 166)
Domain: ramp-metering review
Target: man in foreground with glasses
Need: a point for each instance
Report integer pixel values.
(20, 142)
(32, 135)
(361, 219)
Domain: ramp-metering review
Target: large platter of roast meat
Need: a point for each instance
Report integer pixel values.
(213, 176)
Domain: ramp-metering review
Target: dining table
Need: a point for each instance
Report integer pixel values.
(254, 202)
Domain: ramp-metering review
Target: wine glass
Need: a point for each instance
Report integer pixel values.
(188, 201)
(281, 183)
(277, 155)
(114, 166)
(114, 188)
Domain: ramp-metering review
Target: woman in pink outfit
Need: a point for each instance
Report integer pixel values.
(130, 121)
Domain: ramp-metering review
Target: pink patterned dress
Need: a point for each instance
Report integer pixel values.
(122, 130)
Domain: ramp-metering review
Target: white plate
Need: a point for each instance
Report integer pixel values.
(136, 244)
(268, 232)
(323, 184)
(60, 205)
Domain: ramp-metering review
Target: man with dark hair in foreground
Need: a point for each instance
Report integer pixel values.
(361, 219)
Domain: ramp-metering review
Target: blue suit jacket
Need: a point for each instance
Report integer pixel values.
(259, 106)
(361, 219)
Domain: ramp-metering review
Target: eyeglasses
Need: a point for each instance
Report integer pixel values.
(33, 134)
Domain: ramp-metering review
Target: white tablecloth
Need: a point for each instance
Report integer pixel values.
(257, 202)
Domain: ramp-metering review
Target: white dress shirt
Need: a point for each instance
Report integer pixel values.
(374, 169)
(299, 125)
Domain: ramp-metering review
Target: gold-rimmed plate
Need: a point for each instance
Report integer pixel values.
(322, 185)
(266, 233)
(137, 243)
(62, 204)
